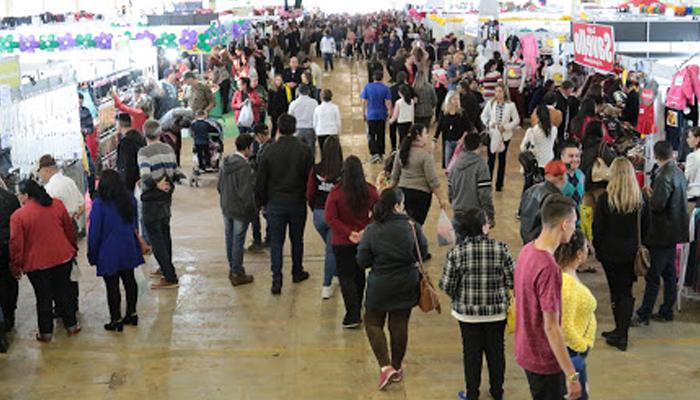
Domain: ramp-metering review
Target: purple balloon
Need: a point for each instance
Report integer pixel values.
(139, 36)
(66, 42)
(28, 43)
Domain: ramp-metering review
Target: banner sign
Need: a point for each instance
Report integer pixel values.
(594, 45)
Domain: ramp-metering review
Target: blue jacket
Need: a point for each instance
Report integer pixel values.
(112, 243)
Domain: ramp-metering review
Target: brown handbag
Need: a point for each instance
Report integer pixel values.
(642, 260)
(145, 247)
(428, 297)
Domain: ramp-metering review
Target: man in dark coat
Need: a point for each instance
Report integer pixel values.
(129, 145)
(9, 287)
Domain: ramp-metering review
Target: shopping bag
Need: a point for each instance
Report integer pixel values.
(245, 117)
(445, 230)
(510, 315)
(497, 145)
(587, 221)
(455, 156)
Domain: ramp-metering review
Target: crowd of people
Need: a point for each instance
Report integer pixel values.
(449, 91)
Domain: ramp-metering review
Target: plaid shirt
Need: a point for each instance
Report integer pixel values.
(477, 275)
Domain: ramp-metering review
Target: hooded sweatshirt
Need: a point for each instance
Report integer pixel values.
(235, 186)
(469, 184)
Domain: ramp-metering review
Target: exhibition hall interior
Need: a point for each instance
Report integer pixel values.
(356, 200)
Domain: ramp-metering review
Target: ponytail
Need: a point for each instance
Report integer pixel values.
(413, 133)
(34, 191)
(384, 208)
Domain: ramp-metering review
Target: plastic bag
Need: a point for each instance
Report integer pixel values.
(245, 117)
(455, 156)
(445, 230)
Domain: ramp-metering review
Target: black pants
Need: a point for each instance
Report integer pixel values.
(114, 298)
(224, 89)
(203, 155)
(352, 281)
(50, 284)
(481, 339)
(321, 141)
(546, 387)
(403, 130)
(376, 136)
(392, 137)
(158, 230)
(501, 165)
(621, 278)
(417, 203)
(9, 290)
(398, 334)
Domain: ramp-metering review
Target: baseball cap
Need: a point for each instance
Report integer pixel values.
(45, 161)
(555, 168)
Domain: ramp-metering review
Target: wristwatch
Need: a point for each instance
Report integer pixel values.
(573, 378)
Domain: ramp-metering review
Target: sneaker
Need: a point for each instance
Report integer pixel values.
(276, 288)
(462, 395)
(164, 284)
(351, 324)
(301, 277)
(398, 377)
(256, 247)
(240, 279)
(74, 330)
(385, 377)
(326, 292)
(156, 274)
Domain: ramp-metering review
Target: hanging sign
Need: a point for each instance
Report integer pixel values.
(10, 72)
(594, 45)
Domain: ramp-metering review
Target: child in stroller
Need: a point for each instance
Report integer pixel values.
(208, 144)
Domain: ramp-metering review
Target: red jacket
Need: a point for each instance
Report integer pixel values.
(41, 237)
(342, 219)
(138, 116)
(255, 100)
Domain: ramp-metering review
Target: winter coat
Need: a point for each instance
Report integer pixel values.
(112, 242)
(469, 184)
(236, 187)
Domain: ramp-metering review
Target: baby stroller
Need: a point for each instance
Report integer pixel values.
(216, 150)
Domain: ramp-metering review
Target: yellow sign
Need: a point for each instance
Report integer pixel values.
(9, 71)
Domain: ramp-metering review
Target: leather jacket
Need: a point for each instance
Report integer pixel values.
(668, 208)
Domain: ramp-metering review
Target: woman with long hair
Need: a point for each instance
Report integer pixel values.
(348, 211)
(388, 248)
(615, 239)
(540, 141)
(278, 102)
(578, 322)
(322, 177)
(404, 112)
(594, 147)
(414, 172)
(587, 114)
(114, 248)
(426, 99)
(452, 124)
(43, 246)
(500, 116)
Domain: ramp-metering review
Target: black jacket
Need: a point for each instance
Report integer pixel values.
(668, 208)
(453, 126)
(614, 233)
(127, 157)
(390, 250)
(236, 180)
(472, 110)
(8, 205)
(569, 108)
(277, 103)
(529, 210)
(282, 173)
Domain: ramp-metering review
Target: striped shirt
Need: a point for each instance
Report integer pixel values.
(156, 161)
(489, 84)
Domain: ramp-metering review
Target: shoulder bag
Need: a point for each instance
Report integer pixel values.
(428, 298)
(642, 260)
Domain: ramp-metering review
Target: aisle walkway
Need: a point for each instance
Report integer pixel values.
(208, 340)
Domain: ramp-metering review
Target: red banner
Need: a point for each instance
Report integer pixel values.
(594, 45)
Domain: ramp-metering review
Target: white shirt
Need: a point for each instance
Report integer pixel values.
(327, 119)
(63, 188)
(692, 173)
(317, 75)
(328, 45)
(540, 145)
(303, 110)
(406, 112)
(555, 72)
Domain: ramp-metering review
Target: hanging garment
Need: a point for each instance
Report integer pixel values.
(515, 74)
(530, 54)
(685, 86)
(675, 123)
(645, 123)
(512, 44)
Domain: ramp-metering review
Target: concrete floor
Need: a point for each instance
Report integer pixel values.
(208, 340)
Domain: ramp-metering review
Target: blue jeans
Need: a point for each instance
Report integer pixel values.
(579, 361)
(325, 231)
(450, 147)
(327, 60)
(235, 242)
(279, 216)
(662, 266)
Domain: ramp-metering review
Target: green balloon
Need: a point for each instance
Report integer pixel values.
(159, 42)
(127, 34)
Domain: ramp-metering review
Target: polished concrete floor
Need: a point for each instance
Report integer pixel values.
(209, 340)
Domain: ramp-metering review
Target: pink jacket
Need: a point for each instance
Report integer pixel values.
(685, 85)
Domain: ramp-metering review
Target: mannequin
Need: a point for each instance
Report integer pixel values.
(555, 72)
(514, 70)
(480, 61)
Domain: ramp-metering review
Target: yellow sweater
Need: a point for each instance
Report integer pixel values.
(577, 314)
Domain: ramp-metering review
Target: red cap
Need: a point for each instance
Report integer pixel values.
(555, 168)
